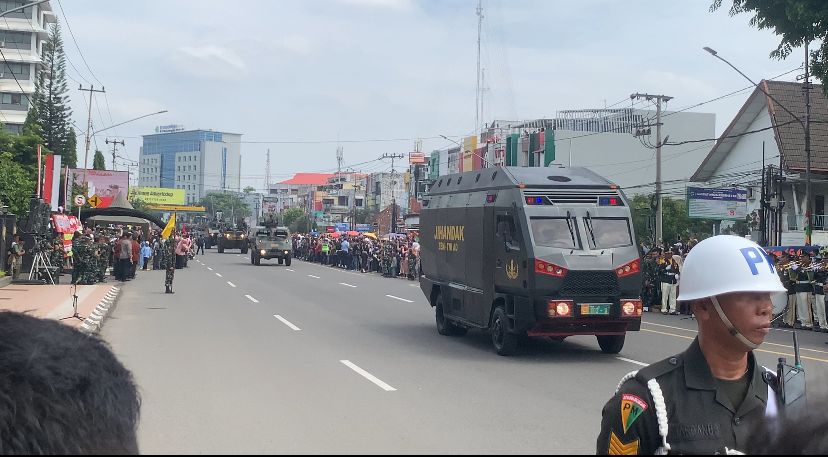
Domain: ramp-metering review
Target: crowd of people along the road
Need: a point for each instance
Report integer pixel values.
(397, 257)
(121, 252)
(804, 274)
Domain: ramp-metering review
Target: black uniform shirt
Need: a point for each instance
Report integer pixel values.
(701, 418)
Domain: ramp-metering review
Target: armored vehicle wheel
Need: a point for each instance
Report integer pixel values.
(504, 342)
(287, 262)
(611, 344)
(444, 326)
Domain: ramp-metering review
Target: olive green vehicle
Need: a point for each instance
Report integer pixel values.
(271, 243)
(232, 239)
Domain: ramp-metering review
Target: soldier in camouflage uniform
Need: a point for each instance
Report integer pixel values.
(651, 288)
(56, 254)
(84, 260)
(387, 259)
(412, 264)
(102, 258)
(168, 262)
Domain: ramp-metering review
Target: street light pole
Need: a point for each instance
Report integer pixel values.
(806, 127)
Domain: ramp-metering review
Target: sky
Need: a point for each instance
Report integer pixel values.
(301, 77)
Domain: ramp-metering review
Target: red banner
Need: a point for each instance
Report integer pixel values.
(63, 223)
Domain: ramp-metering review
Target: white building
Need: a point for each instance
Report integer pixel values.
(22, 34)
(764, 133)
(198, 161)
(381, 187)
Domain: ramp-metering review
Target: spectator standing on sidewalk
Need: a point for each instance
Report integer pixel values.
(16, 252)
(669, 273)
(146, 254)
(156, 253)
(124, 258)
(200, 244)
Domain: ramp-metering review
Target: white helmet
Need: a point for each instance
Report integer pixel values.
(723, 264)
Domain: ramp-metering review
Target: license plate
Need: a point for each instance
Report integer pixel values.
(600, 309)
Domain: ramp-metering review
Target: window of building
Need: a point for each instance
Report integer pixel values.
(19, 69)
(11, 99)
(6, 5)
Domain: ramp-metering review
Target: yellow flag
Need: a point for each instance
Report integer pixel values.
(169, 228)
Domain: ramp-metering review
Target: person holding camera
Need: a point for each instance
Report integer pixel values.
(16, 253)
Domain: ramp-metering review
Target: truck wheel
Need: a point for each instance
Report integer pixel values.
(504, 342)
(287, 262)
(258, 260)
(611, 344)
(281, 260)
(446, 327)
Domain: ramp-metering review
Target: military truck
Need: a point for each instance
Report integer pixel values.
(232, 238)
(271, 243)
(544, 252)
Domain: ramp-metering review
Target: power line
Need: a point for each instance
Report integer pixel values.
(72, 34)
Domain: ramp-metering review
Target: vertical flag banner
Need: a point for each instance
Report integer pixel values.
(169, 228)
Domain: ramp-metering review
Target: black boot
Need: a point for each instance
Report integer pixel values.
(169, 290)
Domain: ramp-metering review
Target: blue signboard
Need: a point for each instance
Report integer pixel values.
(717, 203)
(362, 227)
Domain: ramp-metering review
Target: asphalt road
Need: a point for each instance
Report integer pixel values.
(313, 359)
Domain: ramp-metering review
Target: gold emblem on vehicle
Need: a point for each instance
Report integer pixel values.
(512, 269)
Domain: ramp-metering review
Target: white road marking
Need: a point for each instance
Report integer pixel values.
(315, 277)
(230, 284)
(209, 268)
(288, 269)
(286, 322)
(368, 376)
(636, 362)
(349, 285)
(252, 299)
(219, 275)
(400, 299)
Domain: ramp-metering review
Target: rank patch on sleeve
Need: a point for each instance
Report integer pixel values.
(616, 447)
(631, 408)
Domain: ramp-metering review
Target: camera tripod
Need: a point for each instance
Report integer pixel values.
(41, 264)
(75, 314)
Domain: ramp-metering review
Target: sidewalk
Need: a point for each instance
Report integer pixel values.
(55, 301)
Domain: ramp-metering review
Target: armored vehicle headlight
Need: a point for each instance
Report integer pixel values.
(263, 252)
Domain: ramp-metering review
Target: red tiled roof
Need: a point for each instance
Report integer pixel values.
(309, 179)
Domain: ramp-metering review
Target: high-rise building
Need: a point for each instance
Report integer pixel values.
(198, 161)
(22, 34)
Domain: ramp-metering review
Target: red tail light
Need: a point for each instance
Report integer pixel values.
(549, 269)
(559, 308)
(631, 308)
(629, 268)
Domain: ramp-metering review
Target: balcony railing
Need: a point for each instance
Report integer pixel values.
(797, 222)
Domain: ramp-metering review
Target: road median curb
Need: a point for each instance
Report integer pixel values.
(95, 321)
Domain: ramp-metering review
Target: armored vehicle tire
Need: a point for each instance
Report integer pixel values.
(220, 249)
(611, 344)
(504, 342)
(244, 250)
(446, 327)
(281, 260)
(287, 262)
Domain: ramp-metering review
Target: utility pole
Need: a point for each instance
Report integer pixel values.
(393, 183)
(808, 205)
(477, 92)
(659, 207)
(267, 173)
(91, 91)
(114, 144)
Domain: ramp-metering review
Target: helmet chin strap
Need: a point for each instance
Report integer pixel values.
(730, 327)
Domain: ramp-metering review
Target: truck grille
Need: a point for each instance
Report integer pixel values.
(590, 283)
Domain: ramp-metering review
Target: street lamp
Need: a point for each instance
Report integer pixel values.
(806, 126)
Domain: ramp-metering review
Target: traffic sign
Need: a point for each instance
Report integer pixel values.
(79, 200)
(94, 201)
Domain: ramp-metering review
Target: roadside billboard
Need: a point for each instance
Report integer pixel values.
(723, 203)
(103, 183)
(158, 195)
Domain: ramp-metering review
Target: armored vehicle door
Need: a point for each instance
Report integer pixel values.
(510, 253)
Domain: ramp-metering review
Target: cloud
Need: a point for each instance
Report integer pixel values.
(399, 5)
(210, 52)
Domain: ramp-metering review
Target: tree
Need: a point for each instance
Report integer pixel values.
(365, 216)
(249, 190)
(290, 215)
(675, 221)
(17, 185)
(231, 205)
(301, 225)
(795, 21)
(50, 103)
(99, 163)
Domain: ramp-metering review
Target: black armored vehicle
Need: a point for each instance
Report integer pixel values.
(531, 251)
